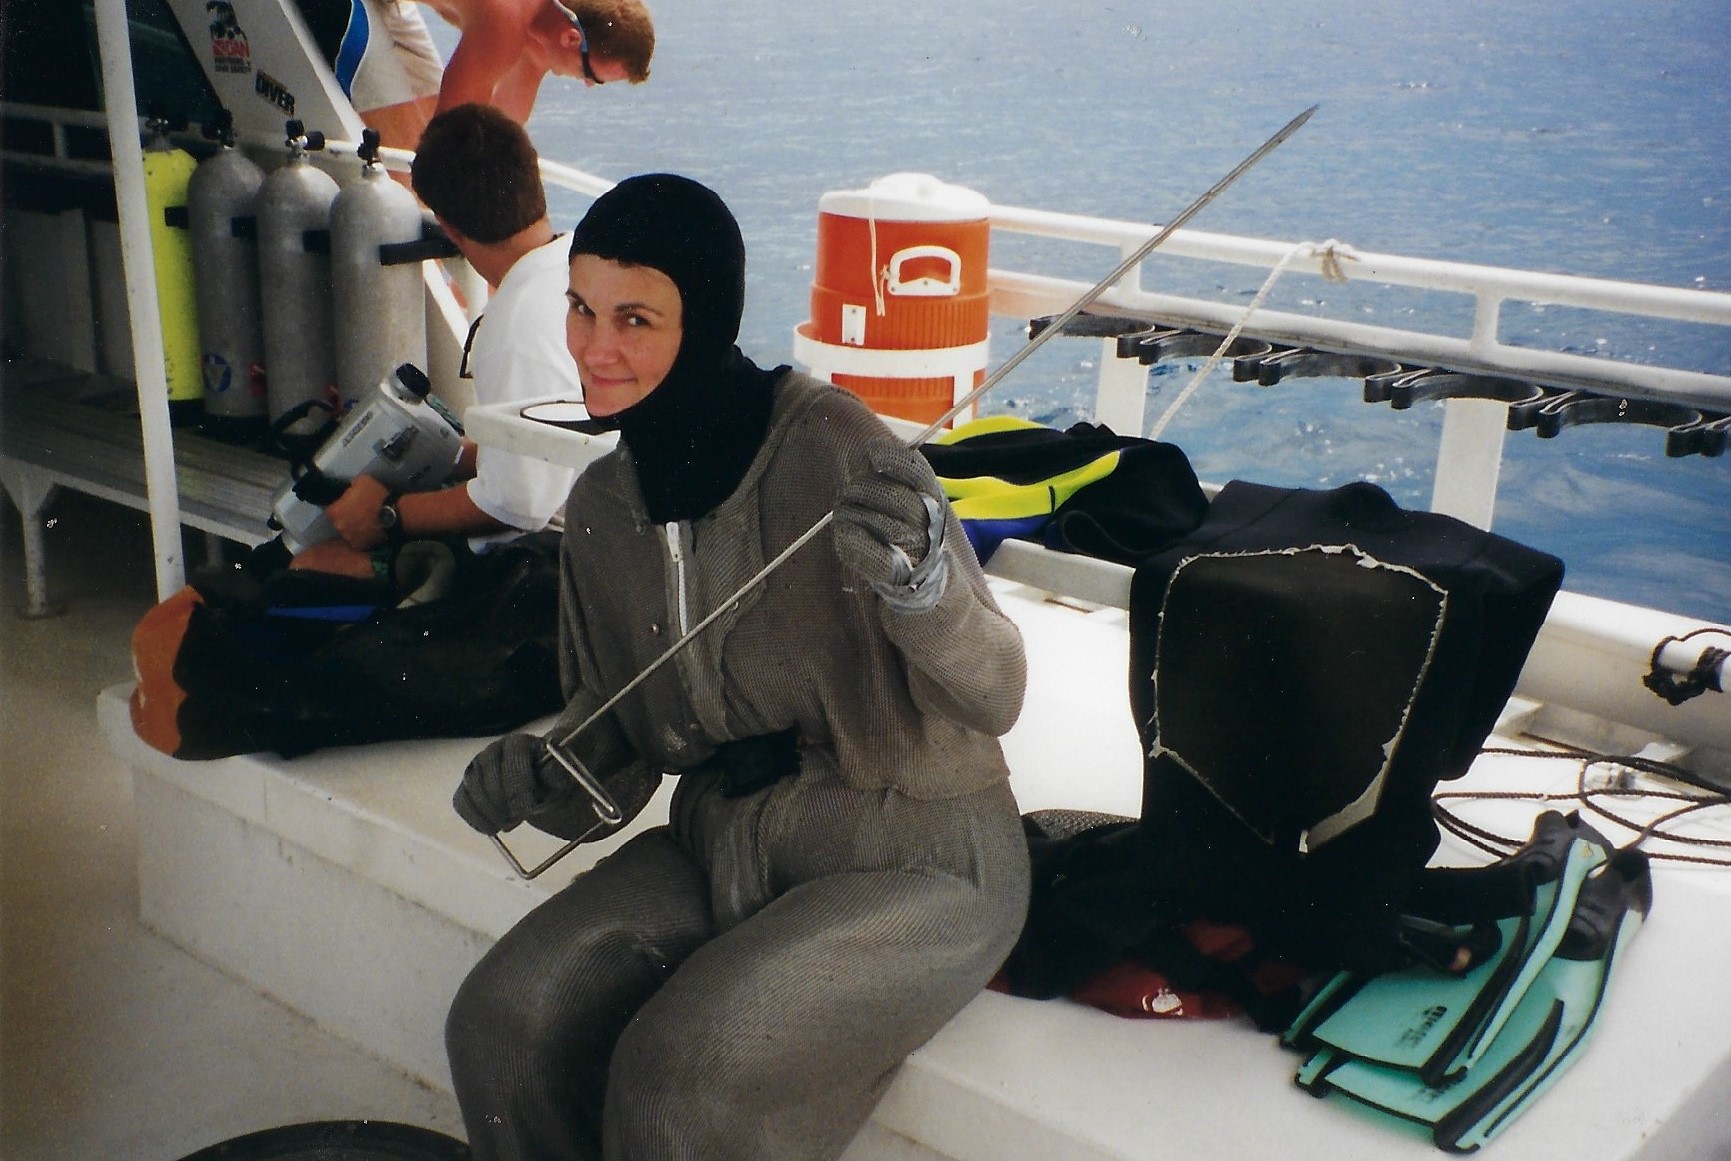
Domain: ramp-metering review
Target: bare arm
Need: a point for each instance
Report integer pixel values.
(492, 44)
(515, 93)
(449, 511)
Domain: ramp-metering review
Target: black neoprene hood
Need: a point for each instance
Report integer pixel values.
(694, 436)
(684, 230)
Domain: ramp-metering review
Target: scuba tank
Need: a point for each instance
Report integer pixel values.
(167, 170)
(381, 314)
(222, 202)
(400, 435)
(294, 265)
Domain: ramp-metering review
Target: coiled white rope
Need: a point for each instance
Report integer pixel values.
(1329, 256)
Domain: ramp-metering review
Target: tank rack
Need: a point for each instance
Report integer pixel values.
(71, 429)
(1546, 409)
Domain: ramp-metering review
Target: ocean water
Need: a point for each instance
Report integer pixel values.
(1587, 138)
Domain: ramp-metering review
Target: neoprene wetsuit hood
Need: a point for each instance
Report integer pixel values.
(684, 230)
(693, 437)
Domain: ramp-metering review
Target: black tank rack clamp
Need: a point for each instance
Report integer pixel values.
(1544, 410)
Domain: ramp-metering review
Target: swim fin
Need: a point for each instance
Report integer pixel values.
(1436, 1023)
(1541, 1037)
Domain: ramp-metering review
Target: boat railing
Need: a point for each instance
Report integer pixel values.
(62, 153)
(1490, 287)
(1474, 429)
(1030, 294)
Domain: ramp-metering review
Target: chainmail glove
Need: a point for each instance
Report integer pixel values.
(889, 530)
(509, 781)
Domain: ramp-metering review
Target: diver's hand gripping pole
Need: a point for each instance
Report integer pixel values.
(606, 810)
(559, 751)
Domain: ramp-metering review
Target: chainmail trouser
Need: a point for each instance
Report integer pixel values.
(743, 983)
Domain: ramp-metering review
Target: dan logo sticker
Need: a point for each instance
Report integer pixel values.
(229, 49)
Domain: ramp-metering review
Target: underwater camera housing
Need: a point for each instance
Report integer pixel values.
(401, 436)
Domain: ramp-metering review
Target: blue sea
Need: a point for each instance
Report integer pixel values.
(1587, 138)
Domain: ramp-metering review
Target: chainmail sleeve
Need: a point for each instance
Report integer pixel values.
(601, 746)
(966, 661)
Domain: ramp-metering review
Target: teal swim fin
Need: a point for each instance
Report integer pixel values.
(1438, 1024)
(1541, 1037)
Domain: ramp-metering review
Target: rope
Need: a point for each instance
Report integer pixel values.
(1677, 689)
(1590, 799)
(880, 275)
(1329, 256)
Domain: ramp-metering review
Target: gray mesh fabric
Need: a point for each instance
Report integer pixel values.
(742, 983)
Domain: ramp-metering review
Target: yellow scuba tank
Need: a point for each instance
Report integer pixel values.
(167, 170)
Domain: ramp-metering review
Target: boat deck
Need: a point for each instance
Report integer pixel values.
(331, 904)
(114, 1042)
(341, 883)
(67, 430)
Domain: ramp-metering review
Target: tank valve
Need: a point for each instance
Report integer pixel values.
(301, 141)
(368, 150)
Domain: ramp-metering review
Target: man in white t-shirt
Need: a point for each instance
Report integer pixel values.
(478, 172)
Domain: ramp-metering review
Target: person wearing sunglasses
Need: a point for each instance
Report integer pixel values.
(509, 46)
(478, 172)
(386, 63)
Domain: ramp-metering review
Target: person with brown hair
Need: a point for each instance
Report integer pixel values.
(478, 172)
(509, 46)
(386, 63)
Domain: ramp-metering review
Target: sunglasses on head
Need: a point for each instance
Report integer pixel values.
(582, 43)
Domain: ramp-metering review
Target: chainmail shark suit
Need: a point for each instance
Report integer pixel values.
(844, 866)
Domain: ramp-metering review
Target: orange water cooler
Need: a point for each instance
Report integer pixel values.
(899, 300)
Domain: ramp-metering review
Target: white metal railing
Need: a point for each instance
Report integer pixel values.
(1470, 452)
(1481, 351)
(57, 122)
(1472, 435)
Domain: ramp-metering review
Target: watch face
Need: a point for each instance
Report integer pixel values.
(387, 516)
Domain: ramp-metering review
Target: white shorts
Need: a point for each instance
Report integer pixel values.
(380, 50)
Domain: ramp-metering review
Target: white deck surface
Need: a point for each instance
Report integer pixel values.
(115, 1045)
(247, 845)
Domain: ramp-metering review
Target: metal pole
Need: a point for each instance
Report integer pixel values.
(143, 310)
(557, 750)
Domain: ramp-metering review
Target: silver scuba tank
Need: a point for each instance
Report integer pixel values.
(222, 204)
(294, 265)
(381, 315)
(398, 434)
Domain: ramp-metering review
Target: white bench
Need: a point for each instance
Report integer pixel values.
(342, 884)
(69, 429)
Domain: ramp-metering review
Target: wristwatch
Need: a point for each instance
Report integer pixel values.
(391, 520)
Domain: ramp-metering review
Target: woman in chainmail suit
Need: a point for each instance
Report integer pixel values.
(844, 865)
